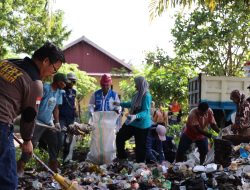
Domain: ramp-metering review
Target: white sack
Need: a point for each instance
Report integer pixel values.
(102, 143)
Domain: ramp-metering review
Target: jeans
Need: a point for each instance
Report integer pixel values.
(8, 174)
(184, 145)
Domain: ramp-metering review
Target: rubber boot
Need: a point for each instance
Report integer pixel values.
(20, 168)
(53, 165)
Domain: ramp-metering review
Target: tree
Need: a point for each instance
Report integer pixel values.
(157, 7)
(217, 43)
(167, 78)
(26, 25)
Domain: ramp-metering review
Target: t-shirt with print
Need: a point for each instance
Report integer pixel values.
(50, 99)
(195, 119)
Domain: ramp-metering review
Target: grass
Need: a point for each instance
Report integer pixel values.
(42, 154)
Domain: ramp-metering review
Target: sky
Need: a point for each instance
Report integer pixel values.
(121, 27)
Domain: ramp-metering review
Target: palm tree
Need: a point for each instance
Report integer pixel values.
(157, 7)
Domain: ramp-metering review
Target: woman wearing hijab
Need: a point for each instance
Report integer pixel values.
(138, 121)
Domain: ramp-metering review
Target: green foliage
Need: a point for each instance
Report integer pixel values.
(168, 78)
(128, 88)
(85, 84)
(157, 7)
(26, 24)
(119, 71)
(84, 142)
(10, 54)
(85, 114)
(216, 43)
(128, 85)
(175, 131)
(42, 154)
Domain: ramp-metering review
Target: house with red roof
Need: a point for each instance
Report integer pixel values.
(96, 61)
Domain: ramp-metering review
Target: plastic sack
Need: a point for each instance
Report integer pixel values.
(102, 143)
(71, 148)
(226, 131)
(195, 156)
(210, 156)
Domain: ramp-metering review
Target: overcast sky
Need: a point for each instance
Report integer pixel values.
(121, 27)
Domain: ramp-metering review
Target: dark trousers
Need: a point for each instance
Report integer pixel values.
(124, 134)
(185, 144)
(8, 174)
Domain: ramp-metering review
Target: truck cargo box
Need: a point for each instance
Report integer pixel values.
(216, 91)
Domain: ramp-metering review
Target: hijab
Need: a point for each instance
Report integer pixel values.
(237, 94)
(142, 87)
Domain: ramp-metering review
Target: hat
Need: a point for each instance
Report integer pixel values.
(71, 76)
(161, 131)
(106, 80)
(60, 77)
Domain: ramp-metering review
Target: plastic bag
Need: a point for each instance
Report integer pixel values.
(102, 144)
(210, 156)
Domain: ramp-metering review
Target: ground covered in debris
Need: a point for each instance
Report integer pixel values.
(126, 174)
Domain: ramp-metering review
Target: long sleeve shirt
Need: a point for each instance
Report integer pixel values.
(243, 115)
(143, 117)
(20, 93)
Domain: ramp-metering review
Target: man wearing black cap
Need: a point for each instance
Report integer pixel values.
(47, 123)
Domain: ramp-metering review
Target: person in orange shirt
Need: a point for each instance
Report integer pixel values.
(175, 112)
(196, 132)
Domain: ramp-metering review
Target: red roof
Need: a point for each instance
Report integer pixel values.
(92, 58)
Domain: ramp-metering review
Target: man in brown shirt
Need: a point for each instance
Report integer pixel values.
(20, 93)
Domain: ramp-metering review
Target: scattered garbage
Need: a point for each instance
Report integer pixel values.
(233, 173)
